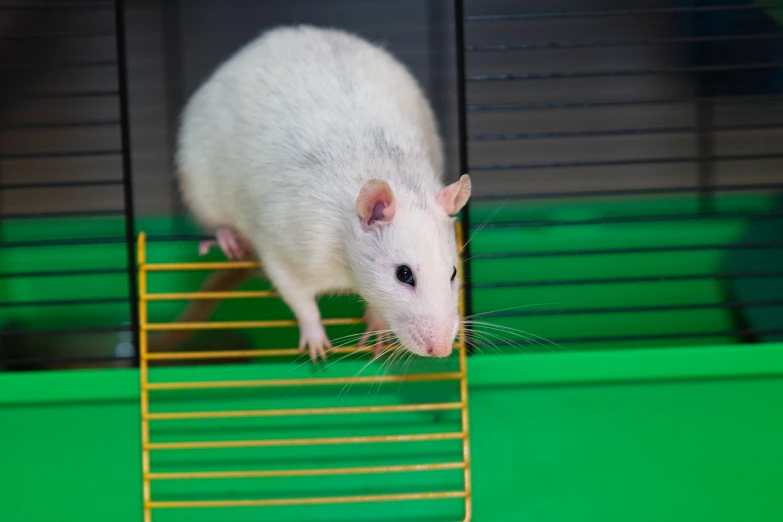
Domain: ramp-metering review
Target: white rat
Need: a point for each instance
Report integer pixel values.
(318, 152)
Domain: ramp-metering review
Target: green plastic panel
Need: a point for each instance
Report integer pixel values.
(676, 435)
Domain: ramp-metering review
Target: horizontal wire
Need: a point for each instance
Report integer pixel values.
(307, 501)
(324, 381)
(597, 13)
(63, 242)
(636, 309)
(187, 296)
(64, 273)
(57, 65)
(322, 472)
(63, 214)
(634, 219)
(103, 93)
(110, 240)
(639, 279)
(558, 75)
(589, 104)
(56, 35)
(56, 5)
(65, 302)
(59, 125)
(39, 361)
(627, 192)
(621, 132)
(315, 441)
(545, 46)
(565, 341)
(241, 354)
(67, 331)
(622, 162)
(61, 154)
(225, 325)
(60, 184)
(298, 412)
(630, 250)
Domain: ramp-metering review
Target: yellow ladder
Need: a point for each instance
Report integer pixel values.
(149, 414)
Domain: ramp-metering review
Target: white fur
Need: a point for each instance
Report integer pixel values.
(278, 143)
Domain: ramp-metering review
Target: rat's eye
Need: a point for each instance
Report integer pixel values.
(454, 273)
(405, 275)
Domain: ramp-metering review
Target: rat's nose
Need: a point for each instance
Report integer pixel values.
(438, 348)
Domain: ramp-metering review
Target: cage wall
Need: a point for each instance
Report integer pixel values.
(607, 125)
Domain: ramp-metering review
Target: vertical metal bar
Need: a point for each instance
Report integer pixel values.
(704, 117)
(462, 122)
(127, 181)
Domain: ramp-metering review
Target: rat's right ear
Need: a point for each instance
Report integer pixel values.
(375, 202)
(454, 197)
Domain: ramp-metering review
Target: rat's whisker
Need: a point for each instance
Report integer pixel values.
(507, 341)
(499, 330)
(385, 365)
(526, 335)
(524, 306)
(483, 338)
(529, 334)
(503, 339)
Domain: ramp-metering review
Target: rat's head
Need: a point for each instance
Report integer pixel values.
(405, 262)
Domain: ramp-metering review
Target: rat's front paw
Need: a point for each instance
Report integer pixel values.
(375, 325)
(314, 337)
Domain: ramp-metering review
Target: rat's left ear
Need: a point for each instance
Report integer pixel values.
(454, 197)
(375, 203)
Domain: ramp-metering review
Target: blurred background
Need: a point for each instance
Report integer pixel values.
(626, 254)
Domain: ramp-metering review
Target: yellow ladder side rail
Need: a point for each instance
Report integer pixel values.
(463, 384)
(144, 374)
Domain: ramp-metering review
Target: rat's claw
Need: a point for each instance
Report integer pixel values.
(375, 325)
(231, 243)
(315, 339)
(380, 341)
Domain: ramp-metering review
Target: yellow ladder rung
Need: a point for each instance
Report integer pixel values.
(236, 354)
(368, 470)
(294, 412)
(302, 382)
(321, 441)
(226, 325)
(187, 296)
(176, 267)
(307, 501)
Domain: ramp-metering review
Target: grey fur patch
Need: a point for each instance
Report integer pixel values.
(383, 146)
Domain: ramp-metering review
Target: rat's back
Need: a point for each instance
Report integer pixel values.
(300, 113)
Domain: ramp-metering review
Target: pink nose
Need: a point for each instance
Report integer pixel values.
(438, 348)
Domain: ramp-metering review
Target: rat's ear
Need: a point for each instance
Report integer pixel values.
(375, 202)
(454, 197)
